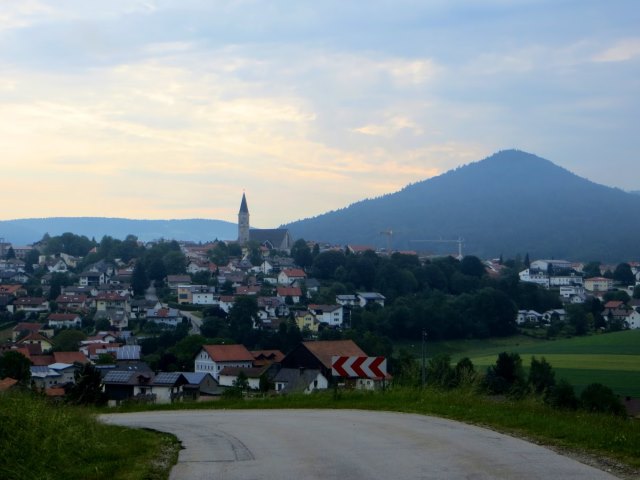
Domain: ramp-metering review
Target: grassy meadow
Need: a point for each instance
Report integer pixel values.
(612, 359)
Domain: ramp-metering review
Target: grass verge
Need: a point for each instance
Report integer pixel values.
(41, 441)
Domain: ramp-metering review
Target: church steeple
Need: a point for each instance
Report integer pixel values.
(243, 222)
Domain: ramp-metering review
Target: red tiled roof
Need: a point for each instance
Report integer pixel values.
(228, 353)
(35, 336)
(32, 327)
(9, 289)
(111, 296)
(42, 360)
(294, 272)
(30, 301)
(71, 299)
(325, 349)
(70, 357)
(289, 291)
(262, 357)
(7, 383)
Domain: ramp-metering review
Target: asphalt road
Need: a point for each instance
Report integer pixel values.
(346, 445)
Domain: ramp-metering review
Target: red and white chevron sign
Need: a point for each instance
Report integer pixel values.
(360, 367)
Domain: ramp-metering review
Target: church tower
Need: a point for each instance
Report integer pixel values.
(243, 222)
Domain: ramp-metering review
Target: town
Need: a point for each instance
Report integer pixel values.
(139, 317)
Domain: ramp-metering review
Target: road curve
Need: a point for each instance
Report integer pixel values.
(347, 444)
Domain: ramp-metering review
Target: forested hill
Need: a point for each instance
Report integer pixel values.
(29, 230)
(511, 202)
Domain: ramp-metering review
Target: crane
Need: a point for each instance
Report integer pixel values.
(459, 241)
(389, 234)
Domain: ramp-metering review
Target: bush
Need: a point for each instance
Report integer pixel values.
(562, 396)
(600, 398)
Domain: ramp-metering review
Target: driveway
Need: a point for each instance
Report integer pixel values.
(348, 444)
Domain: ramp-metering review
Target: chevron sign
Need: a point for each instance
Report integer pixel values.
(360, 367)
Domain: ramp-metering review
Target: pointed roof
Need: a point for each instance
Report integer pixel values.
(243, 204)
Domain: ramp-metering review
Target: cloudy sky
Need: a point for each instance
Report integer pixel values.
(170, 109)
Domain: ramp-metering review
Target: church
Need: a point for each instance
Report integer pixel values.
(272, 238)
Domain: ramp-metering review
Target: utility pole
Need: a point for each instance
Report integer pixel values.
(423, 369)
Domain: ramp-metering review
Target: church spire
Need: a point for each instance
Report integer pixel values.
(243, 222)
(243, 204)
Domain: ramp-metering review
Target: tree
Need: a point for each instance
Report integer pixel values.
(600, 398)
(87, 389)
(541, 376)
(16, 366)
(242, 317)
(301, 253)
(624, 274)
(139, 280)
(507, 375)
(68, 340)
(11, 253)
(591, 269)
(577, 317)
(31, 259)
(472, 266)
(174, 262)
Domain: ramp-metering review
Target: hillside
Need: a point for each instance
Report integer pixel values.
(512, 202)
(26, 231)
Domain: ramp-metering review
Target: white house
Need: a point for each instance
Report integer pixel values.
(305, 380)
(213, 358)
(229, 375)
(528, 316)
(369, 298)
(68, 320)
(289, 275)
(332, 315)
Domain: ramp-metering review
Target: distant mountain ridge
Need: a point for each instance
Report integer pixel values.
(30, 230)
(511, 202)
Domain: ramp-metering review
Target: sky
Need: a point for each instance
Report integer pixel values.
(173, 109)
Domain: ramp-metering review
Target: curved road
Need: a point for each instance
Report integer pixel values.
(347, 444)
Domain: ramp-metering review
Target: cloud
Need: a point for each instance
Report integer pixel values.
(622, 51)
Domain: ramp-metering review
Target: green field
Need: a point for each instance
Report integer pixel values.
(612, 359)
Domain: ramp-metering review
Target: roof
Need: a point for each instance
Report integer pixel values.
(112, 297)
(126, 377)
(228, 353)
(243, 205)
(296, 378)
(169, 378)
(9, 289)
(290, 291)
(42, 360)
(325, 308)
(264, 357)
(70, 357)
(195, 378)
(325, 349)
(128, 352)
(35, 336)
(7, 383)
(30, 301)
(275, 236)
(32, 327)
(294, 272)
(71, 299)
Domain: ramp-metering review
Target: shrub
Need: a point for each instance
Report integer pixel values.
(600, 398)
(562, 396)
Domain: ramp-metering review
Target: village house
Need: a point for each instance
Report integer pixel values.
(213, 358)
(64, 320)
(169, 317)
(299, 380)
(370, 298)
(598, 284)
(289, 275)
(31, 305)
(330, 315)
(294, 293)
